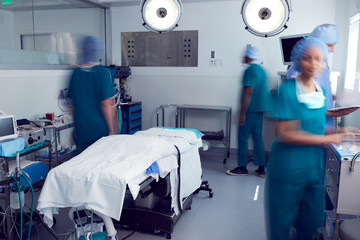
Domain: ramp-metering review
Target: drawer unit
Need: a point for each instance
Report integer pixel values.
(131, 117)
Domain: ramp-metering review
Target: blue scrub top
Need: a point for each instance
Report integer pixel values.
(87, 89)
(324, 81)
(285, 156)
(255, 77)
(294, 185)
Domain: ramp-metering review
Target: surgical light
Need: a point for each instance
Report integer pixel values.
(161, 15)
(265, 18)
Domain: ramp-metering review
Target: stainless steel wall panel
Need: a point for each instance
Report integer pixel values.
(176, 48)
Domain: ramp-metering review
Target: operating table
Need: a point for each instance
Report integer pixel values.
(117, 173)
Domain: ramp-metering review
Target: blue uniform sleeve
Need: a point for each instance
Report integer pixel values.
(285, 103)
(70, 92)
(105, 86)
(249, 78)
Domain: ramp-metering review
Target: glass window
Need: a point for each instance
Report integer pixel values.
(351, 78)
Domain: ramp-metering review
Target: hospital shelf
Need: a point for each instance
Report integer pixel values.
(56, 128)
(223, 136)
(6, 195)
(27, 151)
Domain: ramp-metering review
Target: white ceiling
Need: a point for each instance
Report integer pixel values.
(137, 2)
(25, 5)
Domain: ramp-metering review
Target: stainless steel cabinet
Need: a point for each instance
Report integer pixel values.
(342, 184)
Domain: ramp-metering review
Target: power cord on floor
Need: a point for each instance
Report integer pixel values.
(128, 235)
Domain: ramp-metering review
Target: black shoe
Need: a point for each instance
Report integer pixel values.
(237, 172)
(260, 173)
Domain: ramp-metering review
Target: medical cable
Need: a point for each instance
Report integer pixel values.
(2, 223)
(4, 219)
(39, 126)
(64, 103)
(117, 99)
(20, 203)
(91, 225)
(81, 226)
(128, 235)
(19, 173)
(179, 185)
(13, 223)
(32, 202)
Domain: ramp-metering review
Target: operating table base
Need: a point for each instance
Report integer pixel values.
(158, 219)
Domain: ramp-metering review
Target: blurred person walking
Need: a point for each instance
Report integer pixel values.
(294, 186)
(254, 102)
(91, 92)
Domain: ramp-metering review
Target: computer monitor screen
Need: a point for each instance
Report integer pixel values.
(286, 44)
(8, 128)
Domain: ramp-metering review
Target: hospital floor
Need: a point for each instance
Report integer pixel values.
(235, 211)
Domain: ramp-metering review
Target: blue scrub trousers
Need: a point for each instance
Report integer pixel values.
(293, 200)
(253, 127)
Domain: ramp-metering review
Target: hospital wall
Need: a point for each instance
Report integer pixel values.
(6, 29)
(221, 29)
(29, 93)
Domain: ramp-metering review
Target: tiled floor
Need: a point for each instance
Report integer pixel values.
(231, 214)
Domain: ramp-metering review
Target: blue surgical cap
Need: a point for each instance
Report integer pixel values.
(251, 52)
(92, 49)
(328, 33)
(302, 45)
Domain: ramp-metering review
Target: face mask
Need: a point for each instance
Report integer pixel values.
(312, 100)
(330, 59)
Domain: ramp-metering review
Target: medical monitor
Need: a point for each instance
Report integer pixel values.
(8, 127)
(286, 45)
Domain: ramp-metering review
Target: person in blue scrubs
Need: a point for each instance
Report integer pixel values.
(328, 34)
(91, 92)
(254, 102)
(294, 185)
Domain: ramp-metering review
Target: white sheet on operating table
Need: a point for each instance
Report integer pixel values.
(190, 169)
(97, 177)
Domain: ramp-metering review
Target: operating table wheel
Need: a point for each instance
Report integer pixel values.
(168, 236)
(211, 194)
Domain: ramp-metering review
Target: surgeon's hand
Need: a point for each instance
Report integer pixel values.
(350, 133)
(349, 129)
(112, 132)
(334, 138)
(241, 120)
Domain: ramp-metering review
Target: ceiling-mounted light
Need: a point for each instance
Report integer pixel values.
(265, 18)
(161, 15)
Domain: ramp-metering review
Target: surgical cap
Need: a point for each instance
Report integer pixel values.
(92, 49)
(251, 52)
(328, 33)
(302, 45)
